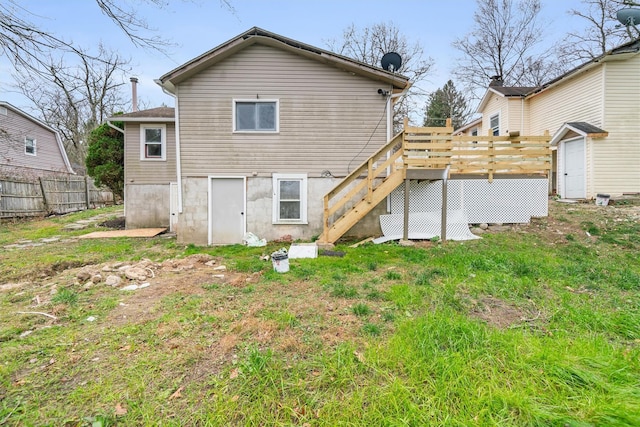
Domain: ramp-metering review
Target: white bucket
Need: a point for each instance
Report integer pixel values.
(602, 199)
(280, 262)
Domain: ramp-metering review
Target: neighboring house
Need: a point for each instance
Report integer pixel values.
(264, 127)
(593, 113)
(29, 148)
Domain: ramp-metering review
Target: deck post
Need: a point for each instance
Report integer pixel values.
(443, 221)
(405, 232)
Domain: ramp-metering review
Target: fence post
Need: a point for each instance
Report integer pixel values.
(44, 195)
(87, 192)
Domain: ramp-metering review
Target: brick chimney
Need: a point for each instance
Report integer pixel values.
(495, 81)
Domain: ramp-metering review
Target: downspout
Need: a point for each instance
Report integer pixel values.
(522, 115)
(177, 130)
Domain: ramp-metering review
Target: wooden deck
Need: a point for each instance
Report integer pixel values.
(425, 148)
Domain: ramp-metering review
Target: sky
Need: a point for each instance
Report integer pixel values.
(196, 26)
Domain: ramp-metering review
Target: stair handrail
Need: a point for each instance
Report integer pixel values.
(349, 179)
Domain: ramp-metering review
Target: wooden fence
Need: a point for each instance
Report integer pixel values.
(50, 196)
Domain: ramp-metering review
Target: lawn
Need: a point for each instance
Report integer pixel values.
(533, 325)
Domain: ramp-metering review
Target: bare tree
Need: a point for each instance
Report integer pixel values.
(369, 44)
(505, 41)
(75, 95)
(601, 33)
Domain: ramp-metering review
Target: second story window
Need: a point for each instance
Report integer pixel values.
(255, 116)
(153, 142)
(30, 146)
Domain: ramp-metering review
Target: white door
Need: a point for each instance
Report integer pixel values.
(173, 206)
(226, 210)
(574, 179)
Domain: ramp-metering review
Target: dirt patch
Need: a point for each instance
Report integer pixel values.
(115, 224)
(503, 315)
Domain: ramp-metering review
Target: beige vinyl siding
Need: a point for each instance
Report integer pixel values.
(12, 153)
(515, 116)
(576, 99)
(149, 171)
(496, 104)
(617, 157)
(329, 119)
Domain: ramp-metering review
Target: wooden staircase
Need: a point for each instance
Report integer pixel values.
(428, 148)
(369, 184)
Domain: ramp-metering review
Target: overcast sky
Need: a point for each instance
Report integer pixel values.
(195, 26)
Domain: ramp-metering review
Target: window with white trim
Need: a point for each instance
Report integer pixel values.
(494, 124)
(153, 142)
(30, 146)
(255, 116)
(289, 198)
(474, 132)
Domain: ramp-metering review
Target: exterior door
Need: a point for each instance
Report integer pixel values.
(226, 210)
(574, 179)
(173, 206)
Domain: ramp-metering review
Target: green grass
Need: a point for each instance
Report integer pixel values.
(509, 330)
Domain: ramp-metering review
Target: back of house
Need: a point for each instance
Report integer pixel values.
(264, 127)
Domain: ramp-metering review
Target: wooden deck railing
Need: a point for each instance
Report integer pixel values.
(429, 148)
(480, 155)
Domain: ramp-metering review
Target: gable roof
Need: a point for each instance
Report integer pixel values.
(506, 92)
(620, 52)
(259, 36)
(39, 122)
(580, 128)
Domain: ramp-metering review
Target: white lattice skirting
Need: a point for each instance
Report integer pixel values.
(469, 201)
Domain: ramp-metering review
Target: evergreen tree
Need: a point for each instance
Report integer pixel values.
(105, 159)
(444, 103)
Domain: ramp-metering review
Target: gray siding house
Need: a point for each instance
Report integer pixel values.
(264, 126)
(29, 148)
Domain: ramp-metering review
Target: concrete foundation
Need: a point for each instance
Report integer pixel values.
(146, 205)
(193, 227)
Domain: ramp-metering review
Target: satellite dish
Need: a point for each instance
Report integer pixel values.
(391, 61)
(629, 16)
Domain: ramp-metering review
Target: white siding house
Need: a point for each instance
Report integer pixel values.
(593, 113)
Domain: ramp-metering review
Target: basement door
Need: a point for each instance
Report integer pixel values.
(574, 166)
(227, 204)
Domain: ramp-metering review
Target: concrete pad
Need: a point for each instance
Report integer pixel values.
(138, 232)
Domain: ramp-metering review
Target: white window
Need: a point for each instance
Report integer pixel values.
(255, 116)
(3, 111)
(474, 132)
(289, 198)
(30, 146)
(153, 142)
(494, 124)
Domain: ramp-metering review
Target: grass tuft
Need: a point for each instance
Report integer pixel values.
(361, 309)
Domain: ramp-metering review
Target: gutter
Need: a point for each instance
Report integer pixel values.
(112, 126)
